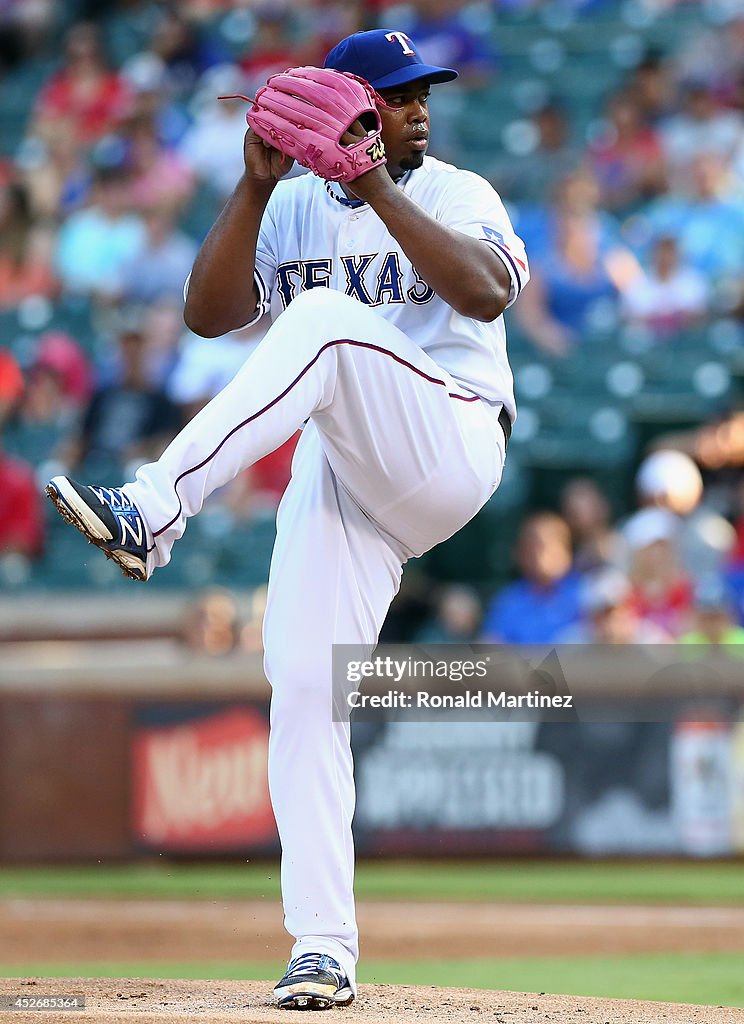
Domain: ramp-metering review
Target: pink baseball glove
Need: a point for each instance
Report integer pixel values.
(306, 112)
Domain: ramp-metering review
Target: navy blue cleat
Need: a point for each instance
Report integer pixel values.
(108, 518)
(314, 981)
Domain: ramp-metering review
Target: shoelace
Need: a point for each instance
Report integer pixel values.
(309, 962)
(115, 498)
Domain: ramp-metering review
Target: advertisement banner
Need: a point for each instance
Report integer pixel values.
(464, 787)
(449, 785)
(587, 788)
(199, 781)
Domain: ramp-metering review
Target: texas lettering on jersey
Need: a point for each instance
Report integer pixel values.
(363, 282)
(311, 238)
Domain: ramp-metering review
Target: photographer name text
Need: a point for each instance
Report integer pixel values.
(467, 699)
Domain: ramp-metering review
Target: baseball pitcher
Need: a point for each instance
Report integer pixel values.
(385, 273)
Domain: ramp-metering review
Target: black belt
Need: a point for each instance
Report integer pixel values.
(505, 423)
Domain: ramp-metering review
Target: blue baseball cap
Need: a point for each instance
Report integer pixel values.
(384, 58)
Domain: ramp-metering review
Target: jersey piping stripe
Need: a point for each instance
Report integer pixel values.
(262, 289)
(263, 294)
(262, 306)
(274, 401)
(512, 264)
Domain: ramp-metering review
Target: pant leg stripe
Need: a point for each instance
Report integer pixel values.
(274, 401)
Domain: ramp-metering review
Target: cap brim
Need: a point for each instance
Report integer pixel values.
(412, 72)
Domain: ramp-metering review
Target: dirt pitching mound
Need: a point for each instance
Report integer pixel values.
(248, 1002)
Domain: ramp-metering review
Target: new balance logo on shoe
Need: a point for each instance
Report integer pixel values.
(134, 528)
(108, 518)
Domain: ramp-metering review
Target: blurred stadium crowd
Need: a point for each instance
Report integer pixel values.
(614, 130)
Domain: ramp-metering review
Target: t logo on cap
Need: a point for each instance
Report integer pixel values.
(404, 41)
(370, 56)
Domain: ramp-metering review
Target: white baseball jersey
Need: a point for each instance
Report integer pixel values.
(312, 238)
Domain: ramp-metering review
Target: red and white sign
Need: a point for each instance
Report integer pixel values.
(202, 784)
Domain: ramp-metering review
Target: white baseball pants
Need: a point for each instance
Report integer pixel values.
(395, 458)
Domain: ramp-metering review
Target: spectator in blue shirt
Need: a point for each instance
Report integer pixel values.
(708, 223)
(158, 270)
(540, 606)
(95, 243)
(578, 264)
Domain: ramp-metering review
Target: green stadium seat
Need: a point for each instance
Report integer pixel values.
(74, 316)
(33, 442)
(725, 336)
(9, 328)
(198, 218)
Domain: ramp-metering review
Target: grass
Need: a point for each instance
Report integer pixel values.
(707, 978)
(498, 881)
(713, 979)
